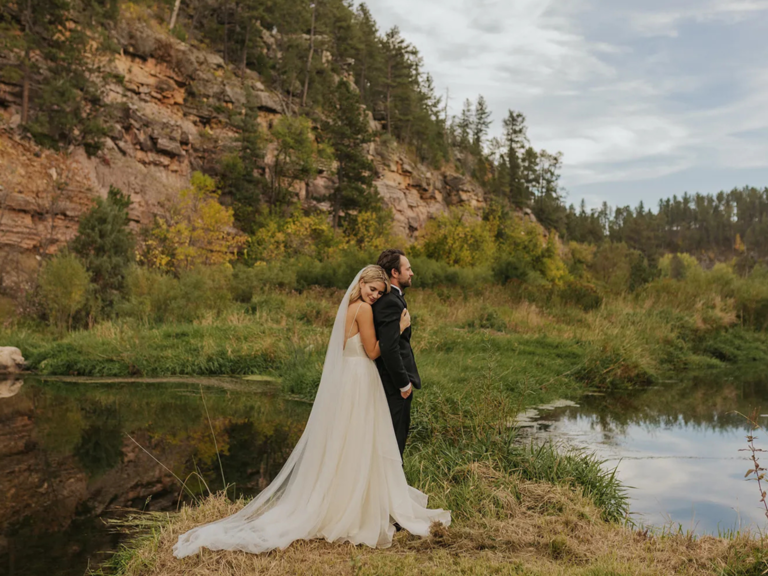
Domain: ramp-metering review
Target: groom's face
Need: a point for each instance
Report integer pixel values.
(405, 273)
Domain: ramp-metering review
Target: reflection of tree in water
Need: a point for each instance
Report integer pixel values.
(80, 463)
(255, 455)
(84, 542)
(704, 402)
(101, 444)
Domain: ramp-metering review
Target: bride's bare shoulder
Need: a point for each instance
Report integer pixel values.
(358, 307)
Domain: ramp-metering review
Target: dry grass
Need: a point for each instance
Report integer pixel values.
(545, 530)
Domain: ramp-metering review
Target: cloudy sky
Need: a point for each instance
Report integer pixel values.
(645, 98)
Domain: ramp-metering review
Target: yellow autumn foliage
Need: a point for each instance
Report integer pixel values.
(299, 235)
(195, 231)
(459, 238)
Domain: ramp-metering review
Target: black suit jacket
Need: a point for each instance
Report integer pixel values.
(396, 365)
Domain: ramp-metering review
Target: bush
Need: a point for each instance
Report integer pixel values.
(64, 287)
(510, 268)
(679, 267)
(152, 295)
(751, 297)
(333, 273)
(580, 294)
(195, 231)
(243, 283)
(299, 236)
(488, 319)
(617, 268)
(458, 239)
(155, 297)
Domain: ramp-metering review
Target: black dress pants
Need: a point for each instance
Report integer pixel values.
(400, 410)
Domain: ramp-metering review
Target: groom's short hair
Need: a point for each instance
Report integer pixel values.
(390, 259)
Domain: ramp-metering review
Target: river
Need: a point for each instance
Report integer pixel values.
(678, 447)
(75, 453)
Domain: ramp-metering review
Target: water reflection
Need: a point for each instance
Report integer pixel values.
(677, 446)
(66, 459)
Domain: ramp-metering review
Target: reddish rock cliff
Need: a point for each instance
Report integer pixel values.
(171, 96)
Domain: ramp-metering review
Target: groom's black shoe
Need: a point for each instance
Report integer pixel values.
(398, 528)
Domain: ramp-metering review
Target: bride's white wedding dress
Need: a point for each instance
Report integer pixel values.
(343, 482)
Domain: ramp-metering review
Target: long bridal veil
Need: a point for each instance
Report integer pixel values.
(286, 510)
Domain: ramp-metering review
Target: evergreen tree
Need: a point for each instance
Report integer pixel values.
(464, 126)
(368, 63)
(240, 180)
(60, 101)
(548, 204)
(515, 136)
(106, 245)
(296, 157)
(347, 133)
(480, 125)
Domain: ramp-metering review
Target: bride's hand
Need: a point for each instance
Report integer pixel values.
(405, 320)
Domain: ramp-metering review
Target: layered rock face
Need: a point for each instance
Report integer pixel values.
(173, 102)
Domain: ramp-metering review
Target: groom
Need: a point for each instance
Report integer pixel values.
(396, 364)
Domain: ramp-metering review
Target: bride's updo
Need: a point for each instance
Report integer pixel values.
(370, 274)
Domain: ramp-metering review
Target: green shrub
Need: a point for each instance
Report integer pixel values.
(751, 297)
(243, 283)
(157, 297)
(64, 287)
(580, 294)
(458, 239)
(488, 319)
(301, 372)
(152, 295)
(333, 273)
(203, 290)
(510, 268)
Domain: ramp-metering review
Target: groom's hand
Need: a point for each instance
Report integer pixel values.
(407, 392)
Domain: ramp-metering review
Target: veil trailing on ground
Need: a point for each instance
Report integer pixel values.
(291, 505)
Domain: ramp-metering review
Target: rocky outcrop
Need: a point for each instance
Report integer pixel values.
(11, 360)
(173, 104)
(416, 193)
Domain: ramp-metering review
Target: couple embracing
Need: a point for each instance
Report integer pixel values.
(344, 480)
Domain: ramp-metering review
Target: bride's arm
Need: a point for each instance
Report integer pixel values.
(367, 331)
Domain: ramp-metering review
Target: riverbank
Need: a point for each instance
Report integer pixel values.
(538, 350)
(536, 529)
(485, 355)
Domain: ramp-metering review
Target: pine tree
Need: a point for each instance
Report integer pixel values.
(548, 203)
(347, 133)
(464, 125)
(517, 147)
(480, 124)
(239, 172)
(105, 244)
(368, 63)
(60, 101)
(401, 74)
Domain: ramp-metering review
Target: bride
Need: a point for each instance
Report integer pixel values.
(344, 481)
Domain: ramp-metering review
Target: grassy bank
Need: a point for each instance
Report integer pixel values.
(537, 530)
(534, 349)
(484, 354)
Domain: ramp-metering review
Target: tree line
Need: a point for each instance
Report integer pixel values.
(713, 226)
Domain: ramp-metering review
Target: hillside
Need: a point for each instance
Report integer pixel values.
(174, 106)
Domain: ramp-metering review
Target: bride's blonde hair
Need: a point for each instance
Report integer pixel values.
(370, 274)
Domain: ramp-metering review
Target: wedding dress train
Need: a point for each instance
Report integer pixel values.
(343, 482)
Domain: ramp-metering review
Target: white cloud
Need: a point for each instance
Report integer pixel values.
(628, 92)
